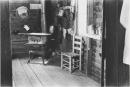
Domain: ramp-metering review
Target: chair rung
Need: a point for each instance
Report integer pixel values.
(76, 67)
(65, 61)
(65, 55)
(77, 42)
(77, 37)
(65, 58)
(66, 67)
(77, 48)
(65, 64)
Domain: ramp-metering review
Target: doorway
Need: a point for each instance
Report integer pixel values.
(92, 53)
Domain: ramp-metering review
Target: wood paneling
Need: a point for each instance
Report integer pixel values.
(6, 68)
(51, 75)
(17, 24)
(0, 42)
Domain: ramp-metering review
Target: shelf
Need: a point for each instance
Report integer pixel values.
(93, 36)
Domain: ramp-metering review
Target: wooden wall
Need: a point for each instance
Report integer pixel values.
(17, 24)
(0, 42)
(50, 12)
(6, 64)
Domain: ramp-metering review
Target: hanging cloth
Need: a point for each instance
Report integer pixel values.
(125, 21)
(67, 19)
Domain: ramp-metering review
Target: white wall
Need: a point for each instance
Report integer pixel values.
(82, 17)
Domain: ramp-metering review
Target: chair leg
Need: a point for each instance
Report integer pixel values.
(80, 64)
(29, 57)
(61, 61)
(28, 61)
(43, 57)
(70, 64)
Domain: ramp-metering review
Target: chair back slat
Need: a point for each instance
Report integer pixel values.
(77, 37)
(77, 44)
(77, 48)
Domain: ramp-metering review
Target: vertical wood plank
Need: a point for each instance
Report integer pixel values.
(19, 76)
(43, 76)
(6, 69)
(34, 80)
(111, 43)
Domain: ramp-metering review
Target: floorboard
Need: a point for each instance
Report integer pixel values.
(19, 76)
(30, 74)
(39, 75)
(43, 76)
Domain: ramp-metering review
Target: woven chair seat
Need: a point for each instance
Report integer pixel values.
(70, 54)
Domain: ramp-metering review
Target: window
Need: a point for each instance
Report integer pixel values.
(90, 18)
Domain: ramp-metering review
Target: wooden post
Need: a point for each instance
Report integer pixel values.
(117, 73)
(6, 61)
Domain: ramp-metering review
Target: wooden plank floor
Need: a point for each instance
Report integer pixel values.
(39, 75)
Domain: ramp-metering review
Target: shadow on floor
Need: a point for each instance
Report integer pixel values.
(54, 60)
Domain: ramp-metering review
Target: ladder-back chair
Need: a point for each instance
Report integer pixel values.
(72, 60)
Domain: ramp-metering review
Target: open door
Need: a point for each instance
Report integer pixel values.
(117, 73)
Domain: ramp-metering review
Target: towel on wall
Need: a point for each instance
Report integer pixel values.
(125, 21)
